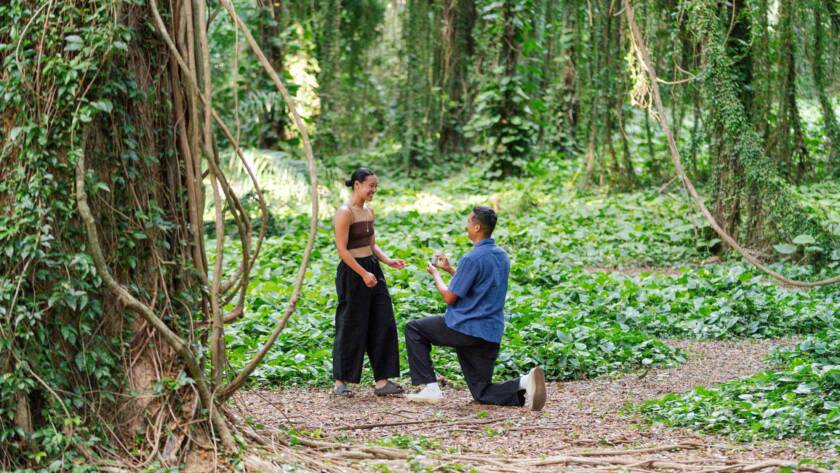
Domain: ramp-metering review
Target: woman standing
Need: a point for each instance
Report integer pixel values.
(364, 319)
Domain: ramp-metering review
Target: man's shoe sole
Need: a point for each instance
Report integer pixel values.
(425, 400)
(537, 380)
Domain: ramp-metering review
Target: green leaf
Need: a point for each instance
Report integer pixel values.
(74, 43)
(804, 240)
(785, 248)
(14, 132)
(103, 105)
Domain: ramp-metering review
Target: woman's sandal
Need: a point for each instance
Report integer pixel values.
(390, 388)
(342, 390)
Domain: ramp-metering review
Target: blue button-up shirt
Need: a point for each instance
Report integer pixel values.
(480, 282)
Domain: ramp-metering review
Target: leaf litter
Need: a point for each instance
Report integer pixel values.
(580, 416)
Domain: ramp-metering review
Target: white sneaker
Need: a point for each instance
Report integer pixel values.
(535, 392)
(430, 394)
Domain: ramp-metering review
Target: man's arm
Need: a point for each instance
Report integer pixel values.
(442, 262)
(448, 296)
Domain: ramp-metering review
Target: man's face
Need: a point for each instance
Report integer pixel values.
(473, 227)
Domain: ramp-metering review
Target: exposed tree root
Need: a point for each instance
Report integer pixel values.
(429, 421)
(329, 456)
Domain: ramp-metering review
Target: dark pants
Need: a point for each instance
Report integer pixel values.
(477, 358)
(364, 321)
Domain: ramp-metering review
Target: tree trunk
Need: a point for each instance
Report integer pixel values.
(329, 60)
(272, 28)
(548, 76)
(628, 174)
(748, 199)
(509, 59)
(457, 44)
(791, 155)
(105, 241)
(738, 46)
(762, 70)
(832, 129)
(415, 97)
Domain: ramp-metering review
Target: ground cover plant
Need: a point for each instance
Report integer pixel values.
(597, 281)
(799, 397)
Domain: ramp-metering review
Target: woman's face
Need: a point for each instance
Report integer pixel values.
(367, 188)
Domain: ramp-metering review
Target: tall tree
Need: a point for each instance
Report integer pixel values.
(329, 61)
(788, 140)
(832, 129)
(103, 311)
(762, 69)
(457, 48)
(105, 152)
(272, 23)
(416, 97)
(748, 198)
(556, 89)
(503, 123)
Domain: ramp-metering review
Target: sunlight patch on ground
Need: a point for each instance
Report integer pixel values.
(422, 202)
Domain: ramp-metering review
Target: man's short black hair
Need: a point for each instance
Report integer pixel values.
(486, 217)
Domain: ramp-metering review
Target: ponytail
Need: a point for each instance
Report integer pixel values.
(358, 175)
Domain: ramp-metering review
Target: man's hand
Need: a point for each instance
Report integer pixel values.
(442, 262)
(396, 263)
(448, 296)
(369, 279)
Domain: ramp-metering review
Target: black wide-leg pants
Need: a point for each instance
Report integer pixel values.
(364, 322)
(477, 358)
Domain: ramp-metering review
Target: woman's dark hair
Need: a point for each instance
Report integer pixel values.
(358, 175)
(486, 217)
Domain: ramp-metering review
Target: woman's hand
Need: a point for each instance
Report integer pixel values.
(369, 279)
(431, 269)
(396, 263)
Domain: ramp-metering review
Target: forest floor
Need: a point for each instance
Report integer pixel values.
(579, 417)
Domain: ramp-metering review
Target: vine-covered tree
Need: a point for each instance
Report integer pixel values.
(457, 47)
(112, 321)
(503, 124)
(830, 125)
(749, 197)
(114, 120)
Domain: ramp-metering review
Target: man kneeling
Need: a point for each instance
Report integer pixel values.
(473, 324)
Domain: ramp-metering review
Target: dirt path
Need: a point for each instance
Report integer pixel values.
(579, 415)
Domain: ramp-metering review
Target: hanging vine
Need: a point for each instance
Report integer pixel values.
(706, 19)
(96, 104)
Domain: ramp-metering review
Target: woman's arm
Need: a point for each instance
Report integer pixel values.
(380, 255)
(341, 223)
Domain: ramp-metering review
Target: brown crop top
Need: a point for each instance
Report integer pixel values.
(360, 233)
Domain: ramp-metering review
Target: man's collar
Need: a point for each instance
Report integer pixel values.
(486, 241)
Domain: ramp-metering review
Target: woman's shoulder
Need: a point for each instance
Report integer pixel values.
(343, 211)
